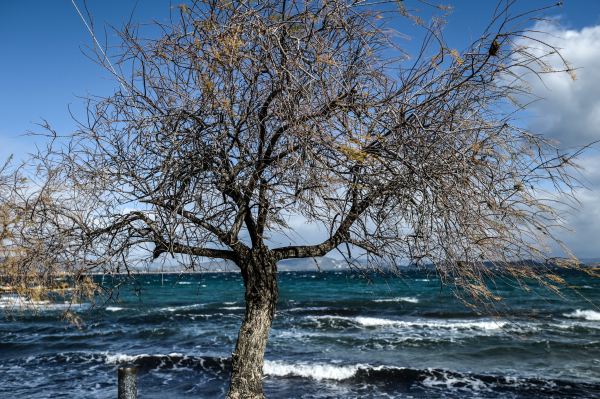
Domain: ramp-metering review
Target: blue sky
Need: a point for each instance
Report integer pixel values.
(43, 70)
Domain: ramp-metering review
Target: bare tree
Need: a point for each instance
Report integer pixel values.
(8, 217)
(234, 116)
(29, 270)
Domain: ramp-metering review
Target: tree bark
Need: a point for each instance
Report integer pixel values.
(259, 269)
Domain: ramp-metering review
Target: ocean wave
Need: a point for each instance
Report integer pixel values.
(15, 302)
(399, 299)
(233, 308)
(450, 380)
(316, 371)
(113, 308)
(584, 314)
(437, 379)
(434, 324)
(184, 307)
(18, 301)
(142, 360)
(119, 358)
(307, 309)
(169, 361)
(356, 374)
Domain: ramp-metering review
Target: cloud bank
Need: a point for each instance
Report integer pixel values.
(570, 114)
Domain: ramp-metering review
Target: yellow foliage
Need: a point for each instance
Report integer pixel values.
(353, 154)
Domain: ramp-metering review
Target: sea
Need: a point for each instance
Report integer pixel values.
(337, 334)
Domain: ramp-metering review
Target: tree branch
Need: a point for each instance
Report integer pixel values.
(194, 251)
(341, 235)
(227, 238)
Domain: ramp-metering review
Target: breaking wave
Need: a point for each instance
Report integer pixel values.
(404, 299)
(316, 371)
(355, 374)
(435, 324)
(584, 314)
(428, 378)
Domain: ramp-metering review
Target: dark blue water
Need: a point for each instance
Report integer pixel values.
(336, 336)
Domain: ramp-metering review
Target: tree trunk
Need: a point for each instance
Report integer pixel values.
(259, 270)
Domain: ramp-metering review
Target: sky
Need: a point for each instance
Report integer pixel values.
(44, 74)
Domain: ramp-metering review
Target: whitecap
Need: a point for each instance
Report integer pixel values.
(18, 302)
(113, 308)
(584, 314)
(399, 299)
(118, 358)
(184, 307)
(317, 371)
(121, 358)
(378, 322)
(374, 321)
(449, 382)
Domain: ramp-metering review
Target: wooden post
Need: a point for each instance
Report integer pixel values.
(128, 382)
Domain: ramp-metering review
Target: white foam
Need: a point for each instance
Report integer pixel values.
(449, 382)
(317, 371)
(584, 314)
(122, 358)
(174, 308)
(113, 308)
(15, 302)
(403, 299)
(436, 324)
(18, 301)
(374, 321)
(233, 308)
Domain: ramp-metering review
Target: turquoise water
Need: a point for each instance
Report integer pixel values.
(336, 336)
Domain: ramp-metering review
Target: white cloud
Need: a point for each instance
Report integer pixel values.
(571, 113)
(585, 241)
(301, 233)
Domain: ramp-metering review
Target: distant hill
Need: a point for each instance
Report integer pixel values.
(305, 264)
